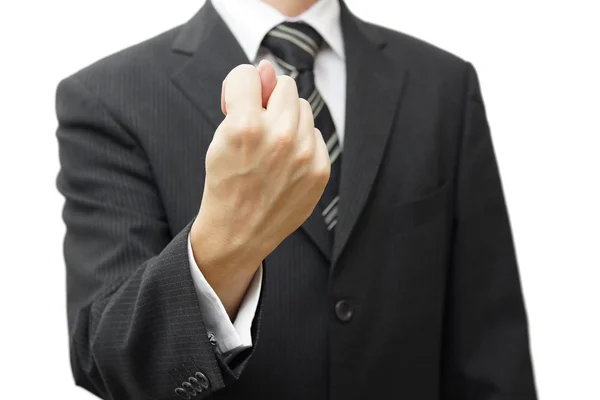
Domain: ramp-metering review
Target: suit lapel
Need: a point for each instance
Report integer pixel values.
(213, 52)
(374, 86)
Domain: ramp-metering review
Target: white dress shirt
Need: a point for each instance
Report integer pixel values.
(250, 21)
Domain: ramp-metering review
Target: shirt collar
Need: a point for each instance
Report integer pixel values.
(251, 20)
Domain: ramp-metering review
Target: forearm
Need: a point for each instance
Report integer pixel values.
(130, 341)
(231, 336)
(135, 326)
(229, 285)
(228, 268)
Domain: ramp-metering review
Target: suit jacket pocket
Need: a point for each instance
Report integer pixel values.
(433, 206)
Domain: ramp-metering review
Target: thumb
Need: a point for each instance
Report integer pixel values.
(268, 79)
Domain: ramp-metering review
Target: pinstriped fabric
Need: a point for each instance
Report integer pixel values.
(133, 311)
(424, 257)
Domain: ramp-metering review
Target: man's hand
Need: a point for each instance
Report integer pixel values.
(266, 169)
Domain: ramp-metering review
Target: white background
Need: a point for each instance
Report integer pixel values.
(538, 62)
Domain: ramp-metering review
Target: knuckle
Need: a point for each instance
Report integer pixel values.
(305, 109)
(241, 73)
(304, 156)
(243, 70)
(285, 138)
(287, 82)
(305, 104)
(321, 173)
(247, 127)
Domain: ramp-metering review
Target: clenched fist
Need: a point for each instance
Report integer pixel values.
(266, 169)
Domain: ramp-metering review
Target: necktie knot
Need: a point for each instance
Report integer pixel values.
(294, 44)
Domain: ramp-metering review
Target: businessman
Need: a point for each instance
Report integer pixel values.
(277, 200)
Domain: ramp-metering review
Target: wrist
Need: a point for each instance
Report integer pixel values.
(224, 267)
(214, 249)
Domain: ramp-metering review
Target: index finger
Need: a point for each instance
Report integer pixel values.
(242, 90)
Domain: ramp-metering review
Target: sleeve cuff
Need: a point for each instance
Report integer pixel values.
(230, 337)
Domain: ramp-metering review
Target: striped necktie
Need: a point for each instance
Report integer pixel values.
(294, 46)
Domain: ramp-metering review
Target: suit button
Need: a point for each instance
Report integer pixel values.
(343, 310)
(195, 384)
(202, 379)
(182, 393)
(189, 388)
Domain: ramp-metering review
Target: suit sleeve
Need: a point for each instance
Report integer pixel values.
(135, 325)
(486, 341)
(231, 337)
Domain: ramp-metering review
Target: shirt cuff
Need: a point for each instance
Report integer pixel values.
(230, 337)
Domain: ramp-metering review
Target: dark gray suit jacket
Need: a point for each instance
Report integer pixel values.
(422, 261)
